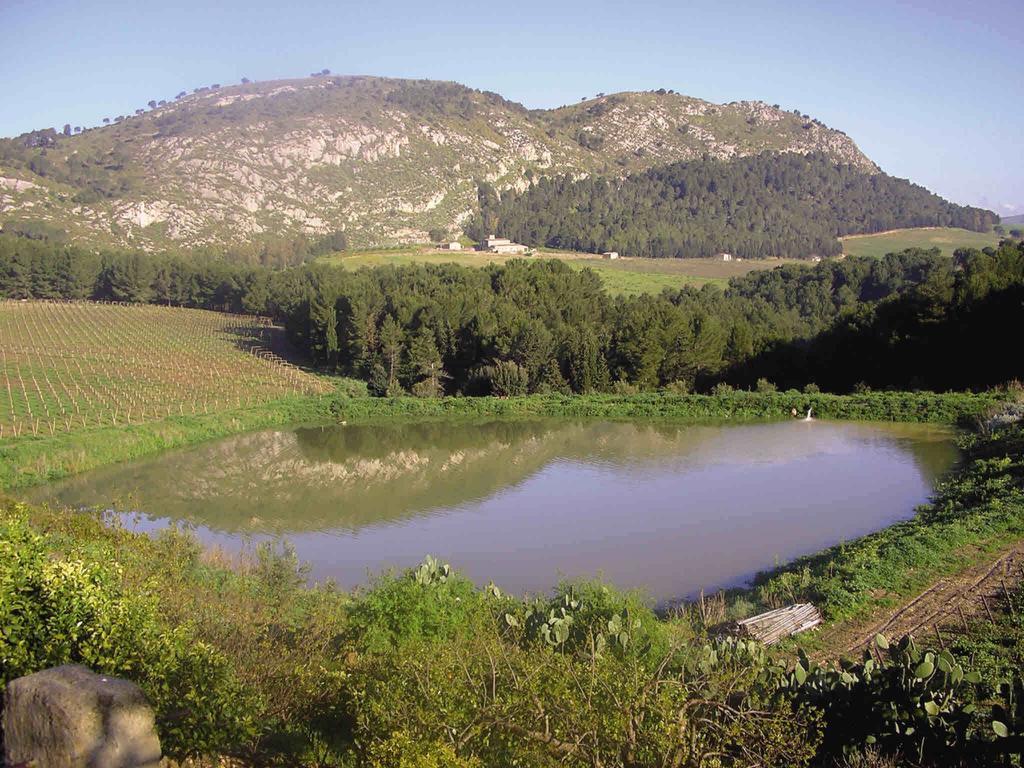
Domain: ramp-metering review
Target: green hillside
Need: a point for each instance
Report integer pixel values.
(384, 160)
(768, 205)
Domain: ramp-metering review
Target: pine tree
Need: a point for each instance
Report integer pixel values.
(425, 366)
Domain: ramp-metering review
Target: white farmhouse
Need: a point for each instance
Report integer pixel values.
(501, 245)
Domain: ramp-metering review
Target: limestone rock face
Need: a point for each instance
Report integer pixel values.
(384, 160)
(70, 717)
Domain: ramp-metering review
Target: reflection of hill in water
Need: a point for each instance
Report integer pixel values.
(314, 478)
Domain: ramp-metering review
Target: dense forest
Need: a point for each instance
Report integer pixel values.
(540, 326)
(772, 204)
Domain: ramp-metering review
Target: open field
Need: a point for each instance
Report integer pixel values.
(948, 239)
(633, 276)
(625, 276)
(71, 366)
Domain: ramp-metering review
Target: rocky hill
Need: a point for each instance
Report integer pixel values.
(382, 160)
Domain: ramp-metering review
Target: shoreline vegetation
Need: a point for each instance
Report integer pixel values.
(240, 657)
(37, 459)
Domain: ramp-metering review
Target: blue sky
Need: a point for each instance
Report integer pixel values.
(932, 91)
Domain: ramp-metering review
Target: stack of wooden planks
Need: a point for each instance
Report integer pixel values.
(775, 625)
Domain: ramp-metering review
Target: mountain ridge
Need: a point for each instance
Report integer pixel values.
(382, 160)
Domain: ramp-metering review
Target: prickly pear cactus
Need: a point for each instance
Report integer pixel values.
(899, 696)
(432, 571)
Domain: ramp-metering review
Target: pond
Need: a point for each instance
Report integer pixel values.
(668, 509)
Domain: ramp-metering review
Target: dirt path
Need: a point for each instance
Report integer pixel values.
(941, 611)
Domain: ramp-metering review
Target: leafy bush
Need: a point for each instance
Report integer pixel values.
(494, 698)
(401, 750)
(505, 379)
(57, 611)
(588, 616)
(346, 387)
(424, 603)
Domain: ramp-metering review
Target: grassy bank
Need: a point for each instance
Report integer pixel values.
(730, 405)
(423, 668)
(31, 460)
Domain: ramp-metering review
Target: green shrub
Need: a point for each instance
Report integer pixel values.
(57, 611)
(347, 387)
(428, 602)
(504, 378)
(401, 750)
(678, 387)
(498, 700)
(584, 616)
(625, 388)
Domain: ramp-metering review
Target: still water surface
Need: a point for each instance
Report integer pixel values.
(669, 509)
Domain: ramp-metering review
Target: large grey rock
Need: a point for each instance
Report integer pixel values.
(70, 717)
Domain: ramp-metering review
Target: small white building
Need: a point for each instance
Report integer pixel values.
(724, 257)
(501, 245)
(453, 246)
(815, 259)
(509, 248)
(610, 254)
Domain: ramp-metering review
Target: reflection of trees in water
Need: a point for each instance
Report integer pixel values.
(336, 477)
(934, 456)
(313, 478)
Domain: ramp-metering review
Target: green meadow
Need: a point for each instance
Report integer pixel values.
(624, 276)
(946, 239)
